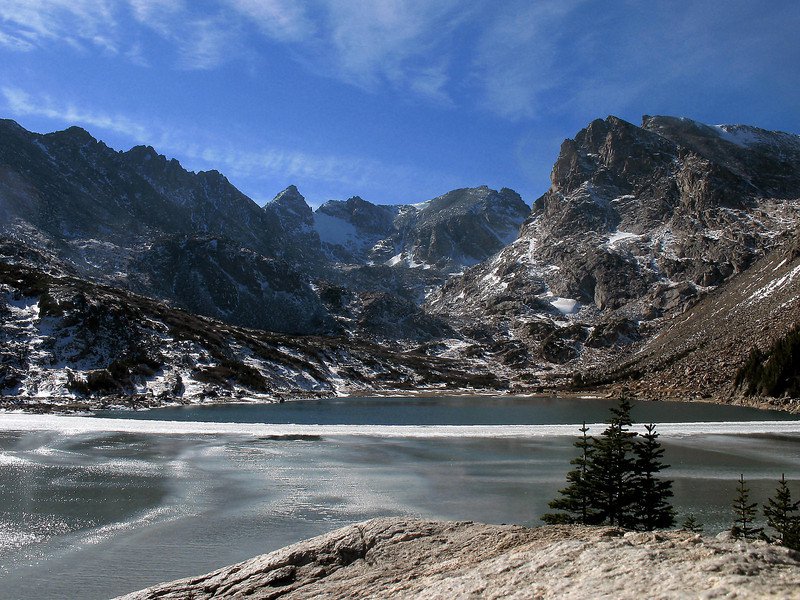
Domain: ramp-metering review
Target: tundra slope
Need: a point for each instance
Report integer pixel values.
(695, 354)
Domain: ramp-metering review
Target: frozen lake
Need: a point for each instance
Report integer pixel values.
(92, 507)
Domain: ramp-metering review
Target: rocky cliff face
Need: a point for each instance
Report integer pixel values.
(696, 353)
(397, 558)
(74, 189)
(639, 222)
(137, 220)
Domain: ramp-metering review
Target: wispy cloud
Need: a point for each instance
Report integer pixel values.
(517, 59)
(557, 57)
(236, 158)
(517, 62)
(207, 44)
(28, 24)
(402, 43)
(201, 40)
(283, 20)
(20, 103)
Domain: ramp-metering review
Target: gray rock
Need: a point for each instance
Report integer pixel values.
(398, 558)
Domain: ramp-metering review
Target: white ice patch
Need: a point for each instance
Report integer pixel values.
(7, 460)
(407, 259)
(620, 236)
(566, 306)
(83, 425)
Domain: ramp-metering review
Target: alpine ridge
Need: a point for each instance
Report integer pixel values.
(649, 239)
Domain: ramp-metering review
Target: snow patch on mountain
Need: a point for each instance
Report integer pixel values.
(566, 306)
(333, 230)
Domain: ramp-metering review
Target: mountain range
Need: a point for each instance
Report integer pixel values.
(661, 255)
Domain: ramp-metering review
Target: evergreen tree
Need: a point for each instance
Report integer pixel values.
(615, 479)
(744, 513)
(692, 524)
(575, 503)
(782, 516)
(612, 473)
(652, 507)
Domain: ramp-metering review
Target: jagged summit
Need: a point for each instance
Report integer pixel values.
(73, 134)
(446, 233)
(765, 160)
(291, 208)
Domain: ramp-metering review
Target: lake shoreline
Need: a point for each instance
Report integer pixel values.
(50, 405)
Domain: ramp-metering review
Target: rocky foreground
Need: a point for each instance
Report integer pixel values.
(399, 558)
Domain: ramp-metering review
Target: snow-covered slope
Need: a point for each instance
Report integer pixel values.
(63, 338)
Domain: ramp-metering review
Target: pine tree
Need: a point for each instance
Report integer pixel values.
(612, 471)
(745, 513)
(782, 516)
(691, 524)
(652, 507)
(575, 502)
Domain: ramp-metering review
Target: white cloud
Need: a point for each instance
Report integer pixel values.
(158, 15)
(15, 42)
(517, 61)
(206, 44)
(404, 42)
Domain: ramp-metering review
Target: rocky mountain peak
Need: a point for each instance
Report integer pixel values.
(291, 208)
(74, 136)
(765, 161)
(638, 222)
(368, 218)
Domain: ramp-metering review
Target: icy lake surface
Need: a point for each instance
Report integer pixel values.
(92, 507)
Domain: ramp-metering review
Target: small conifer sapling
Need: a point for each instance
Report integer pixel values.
(744, 513)
(653, 510)
(782, 516)
(691, 524)
(575, 503)
(613, 472)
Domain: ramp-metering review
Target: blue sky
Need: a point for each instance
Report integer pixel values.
(393, 100)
